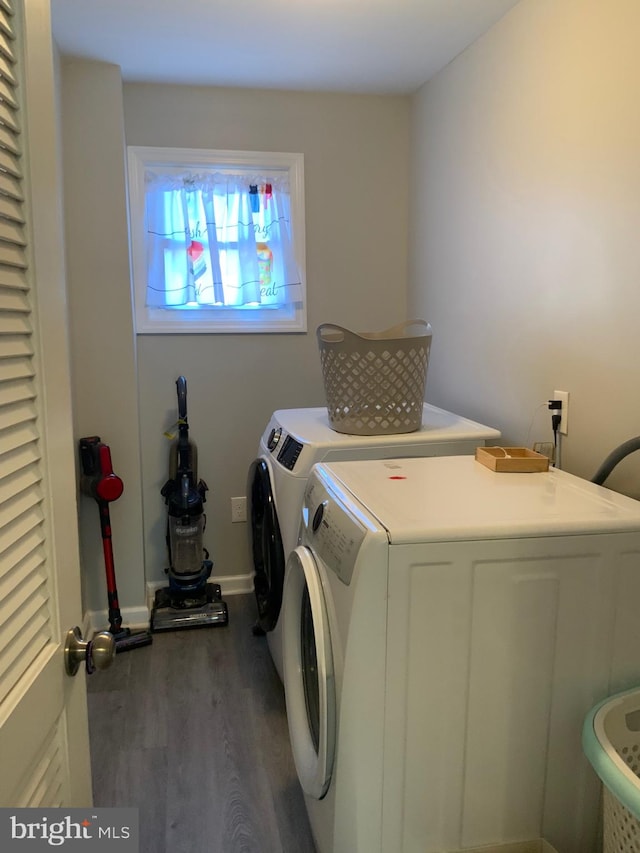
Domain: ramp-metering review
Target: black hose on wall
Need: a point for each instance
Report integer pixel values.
(614, 458)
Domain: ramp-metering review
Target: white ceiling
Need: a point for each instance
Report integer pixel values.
(377, 46)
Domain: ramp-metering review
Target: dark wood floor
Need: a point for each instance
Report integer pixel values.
(192, 730)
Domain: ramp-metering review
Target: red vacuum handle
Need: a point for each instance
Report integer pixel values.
(109, 487)
(98, 480)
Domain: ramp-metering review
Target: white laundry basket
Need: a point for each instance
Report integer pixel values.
(375, 381)
(611, 742)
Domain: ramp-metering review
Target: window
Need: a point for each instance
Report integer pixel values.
(217, 240)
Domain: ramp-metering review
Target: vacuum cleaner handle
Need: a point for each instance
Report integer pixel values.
(181, 385)
(98, 480)
(183, 445)
(100, 483)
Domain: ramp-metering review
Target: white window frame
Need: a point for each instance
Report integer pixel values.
(152, 320)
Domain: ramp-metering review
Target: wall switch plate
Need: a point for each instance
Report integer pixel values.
(238, 509)
(564, 420)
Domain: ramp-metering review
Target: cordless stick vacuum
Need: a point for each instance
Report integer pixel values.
(100, 483)
(189, 601)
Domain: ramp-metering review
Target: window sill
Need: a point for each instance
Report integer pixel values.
(171, 321)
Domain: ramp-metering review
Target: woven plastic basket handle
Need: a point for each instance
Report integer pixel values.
(332, 333)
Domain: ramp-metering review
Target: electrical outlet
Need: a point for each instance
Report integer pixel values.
(563, 396)
(238, 509)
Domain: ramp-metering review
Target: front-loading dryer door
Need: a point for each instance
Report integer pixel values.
(266, 544)
(309, 677)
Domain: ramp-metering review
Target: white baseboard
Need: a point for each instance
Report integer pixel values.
(537, 846)
(235, 584)
(132, 617)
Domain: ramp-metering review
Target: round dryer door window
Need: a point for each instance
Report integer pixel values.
(309, 679)
(266, 545)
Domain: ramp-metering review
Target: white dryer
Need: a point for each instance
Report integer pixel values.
(295, 440)
(446, 629)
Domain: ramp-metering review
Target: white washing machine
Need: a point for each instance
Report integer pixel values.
(446, 628)
(293, 441)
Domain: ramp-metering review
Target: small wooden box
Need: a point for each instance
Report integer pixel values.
(514, 460)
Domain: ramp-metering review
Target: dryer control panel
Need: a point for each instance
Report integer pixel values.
(289, 453)
(281, 445)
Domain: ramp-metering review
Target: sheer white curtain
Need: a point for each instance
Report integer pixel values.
(216, 239)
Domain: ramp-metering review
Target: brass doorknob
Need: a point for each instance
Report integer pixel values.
(97, 653)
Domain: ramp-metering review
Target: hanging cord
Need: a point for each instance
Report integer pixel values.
(556, 417)
(614, 458)
(557, 441)
(533, 417)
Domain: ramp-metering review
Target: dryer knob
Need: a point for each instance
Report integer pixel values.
(274, 438)
(318, 516)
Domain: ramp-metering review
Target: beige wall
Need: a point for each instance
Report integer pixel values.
(356, 161)
(356, 192)
(525, 214)
(101, 328)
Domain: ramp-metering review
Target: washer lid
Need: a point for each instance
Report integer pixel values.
(454, 497)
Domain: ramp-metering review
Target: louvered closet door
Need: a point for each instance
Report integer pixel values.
(43, 723)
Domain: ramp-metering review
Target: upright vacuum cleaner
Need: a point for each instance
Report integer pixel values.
(100, 483)
(189, 601)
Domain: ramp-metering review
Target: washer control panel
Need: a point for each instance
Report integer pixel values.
(334, 535)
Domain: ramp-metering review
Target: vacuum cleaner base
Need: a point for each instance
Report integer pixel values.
(127, 639)
(173, 611)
